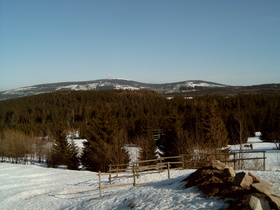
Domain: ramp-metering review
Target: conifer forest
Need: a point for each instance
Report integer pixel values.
(110, 119)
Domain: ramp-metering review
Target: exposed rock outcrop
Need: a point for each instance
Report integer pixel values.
(256, 179)
(229, 172)
(216, 164)
(243, 180)
(274, 201)
(261, 188)
(241, 190)
(256, 202)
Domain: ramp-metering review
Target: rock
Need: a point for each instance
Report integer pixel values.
(242, 179)
(259, 180)
(216, 164)
(256, 202)
(131, 205)
(261, 188)
(274, 201)
(228, 172)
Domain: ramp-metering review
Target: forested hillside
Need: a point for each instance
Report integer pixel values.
(108, 119)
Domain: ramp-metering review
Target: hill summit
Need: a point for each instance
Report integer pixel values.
(110, 83)
(186, 88)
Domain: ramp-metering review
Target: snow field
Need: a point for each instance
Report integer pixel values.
(37, 187)
(272, 155)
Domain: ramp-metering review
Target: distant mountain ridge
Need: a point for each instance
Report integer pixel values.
(105, 84)
(165, 88)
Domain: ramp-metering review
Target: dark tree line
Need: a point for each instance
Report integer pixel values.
(108, 119)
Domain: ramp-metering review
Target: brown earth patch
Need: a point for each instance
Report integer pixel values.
(212, 183)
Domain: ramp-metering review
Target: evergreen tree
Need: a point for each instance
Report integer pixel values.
(73, 161)
(105, 142)
(173, 141)
(147, 144)
(270, 129)
(215, 133)
(63, 152)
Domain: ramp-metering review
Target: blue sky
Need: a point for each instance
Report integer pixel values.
(230, 42)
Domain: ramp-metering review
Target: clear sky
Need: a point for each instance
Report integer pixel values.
(230, 42)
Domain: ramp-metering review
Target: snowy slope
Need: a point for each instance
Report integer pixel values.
(35, 187)
(38, 187)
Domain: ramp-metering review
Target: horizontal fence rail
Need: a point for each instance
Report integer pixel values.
(134, 170)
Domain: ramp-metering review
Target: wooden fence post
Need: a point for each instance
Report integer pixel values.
(160, 162)
(110, 176)
(134, 176)
(264, 160)
(100, 193)
(183, 161)
(234, 166)
(168, 170)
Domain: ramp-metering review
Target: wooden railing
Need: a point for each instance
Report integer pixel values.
(147, 166)
(138, 168)
(238, 159)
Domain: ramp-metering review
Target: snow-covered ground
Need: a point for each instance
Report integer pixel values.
(38, 187)
(272, 155)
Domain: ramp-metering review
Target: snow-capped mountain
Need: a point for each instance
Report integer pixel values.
(189, 85)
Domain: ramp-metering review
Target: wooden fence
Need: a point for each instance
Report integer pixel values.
(138, 168)
(147, 166)
(237, 160)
